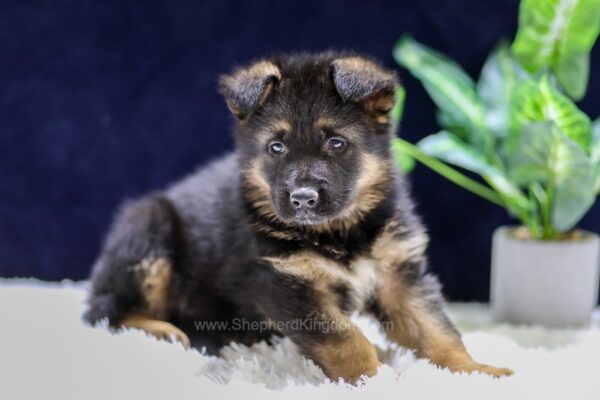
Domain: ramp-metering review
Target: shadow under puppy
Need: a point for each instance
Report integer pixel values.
(306, 222)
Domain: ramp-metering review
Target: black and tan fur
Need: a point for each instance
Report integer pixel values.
(307, 220)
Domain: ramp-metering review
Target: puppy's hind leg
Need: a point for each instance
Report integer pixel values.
(131, 280)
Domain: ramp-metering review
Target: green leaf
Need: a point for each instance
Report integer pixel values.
(398, 109)
(450, 88)
(405, 162)
(451, 149)
(539, 102)
(500, 75)
(573, 72)
(555, 34)
(546, 155)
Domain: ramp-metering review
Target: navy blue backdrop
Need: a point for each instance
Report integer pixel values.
(104, 100)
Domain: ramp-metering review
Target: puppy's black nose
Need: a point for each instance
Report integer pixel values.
(304, 198)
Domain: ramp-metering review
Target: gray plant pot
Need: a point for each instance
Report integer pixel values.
(551, 283)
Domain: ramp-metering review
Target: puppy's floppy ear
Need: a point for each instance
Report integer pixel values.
(367, 84)
(248, 88)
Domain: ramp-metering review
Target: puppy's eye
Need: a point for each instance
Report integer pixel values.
(337, 144)
(277, 148)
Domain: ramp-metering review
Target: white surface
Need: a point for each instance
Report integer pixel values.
(47, 353)
(545, 282)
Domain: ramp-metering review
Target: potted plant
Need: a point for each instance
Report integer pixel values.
(537, 153)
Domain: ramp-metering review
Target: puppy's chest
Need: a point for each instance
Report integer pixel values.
(350, 285)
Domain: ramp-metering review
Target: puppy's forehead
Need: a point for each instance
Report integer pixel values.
(305, 100)
(307, 87)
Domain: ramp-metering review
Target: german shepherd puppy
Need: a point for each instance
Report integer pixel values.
(307, 221)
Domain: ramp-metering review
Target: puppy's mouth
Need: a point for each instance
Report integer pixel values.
(308, 217)
(304, 215)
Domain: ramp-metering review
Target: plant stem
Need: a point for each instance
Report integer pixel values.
(549, 232)
(448, 172)
(533, 219)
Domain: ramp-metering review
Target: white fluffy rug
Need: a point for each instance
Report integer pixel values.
(46, 352)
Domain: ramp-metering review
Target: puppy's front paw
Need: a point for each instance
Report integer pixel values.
(159, 329)
(169, 332)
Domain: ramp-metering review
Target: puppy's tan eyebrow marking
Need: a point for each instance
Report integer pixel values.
(324, 122)
(330, 123)
(280, 126)
(276, 128)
